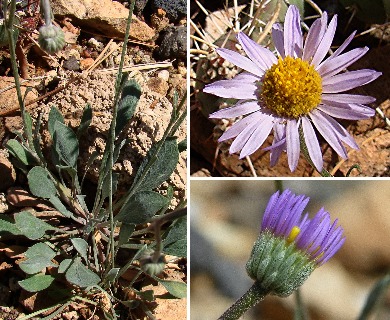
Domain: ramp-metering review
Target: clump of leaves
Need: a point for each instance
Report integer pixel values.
(82, 255)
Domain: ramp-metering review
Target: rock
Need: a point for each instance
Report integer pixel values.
(86, 63)
(3, 203)
(9, 100)
(105, 16)
(148, 124)
(173, 43)
(71, 64)
(159, 20)
(158, 85)
(7, 172)
(139, 6)
(175, 9)
(19, 197)
(163, 74)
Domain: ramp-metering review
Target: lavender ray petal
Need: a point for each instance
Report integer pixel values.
(269, 209)
(281, 205)
(236, 89)
(296, 213)
(240, 141)
(240, 109)
(328, 133)
(314, 229)
(343, 46)
(314, 36)
(330, 253)
(292, 33)
(258, 137)
(325, 43)
(331, 67)
(278, 39)
(346, 98)
(349, 80)
(240, 125)
(279, 137)
(339, 130)
(347, 111)
(240, 61)
(258, 54)
(292, 141)
(313, 146)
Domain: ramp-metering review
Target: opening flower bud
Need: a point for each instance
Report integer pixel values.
(51, 38)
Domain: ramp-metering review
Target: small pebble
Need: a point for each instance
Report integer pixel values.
(86, 63)
(71, 64)
(163, 74)
(173, 43)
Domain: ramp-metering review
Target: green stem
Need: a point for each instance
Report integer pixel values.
(300, 311)
(45, 5)
(9, 18)
(112, 133)
(279, 185)
(305, 151)
(254, 295)
(157, 229)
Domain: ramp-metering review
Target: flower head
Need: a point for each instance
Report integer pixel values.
(290, 246)
(295, 91)
(51, 38)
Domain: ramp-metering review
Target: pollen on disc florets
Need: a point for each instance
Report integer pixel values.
(291, 88)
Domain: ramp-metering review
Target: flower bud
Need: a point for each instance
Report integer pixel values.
(290, 246)
(51, 38)
(277, 265)
(150, 267)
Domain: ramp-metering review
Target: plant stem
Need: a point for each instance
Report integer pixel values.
(112, 132)
(305, 151)
(157, 229)
(45, 5)
(9, 20)
(254, 295)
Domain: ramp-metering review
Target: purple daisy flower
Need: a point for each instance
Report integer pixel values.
(319, 238)
(295, 91)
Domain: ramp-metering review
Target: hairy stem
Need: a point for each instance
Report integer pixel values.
(254, 295)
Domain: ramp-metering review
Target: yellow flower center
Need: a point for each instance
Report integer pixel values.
(291, 88)
(293, 234)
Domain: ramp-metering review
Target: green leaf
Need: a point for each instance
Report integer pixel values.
(125, 233)
(16, 149)
(154, 170)
(7, 226)
(175, 242)
(374, 297)
(147, 295)
(182, 145)
(126, 108)
(54, 115)
(66, 144)
(40, 184)
(81, 246)
(28, 129)
(106, 185)
(175, 288)
(64, 265)
(86, 120)
(37, 282)
(141, 207)
(38, 256)
(31, 226)
(80, 275)
(56, 202)
(112, 274)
